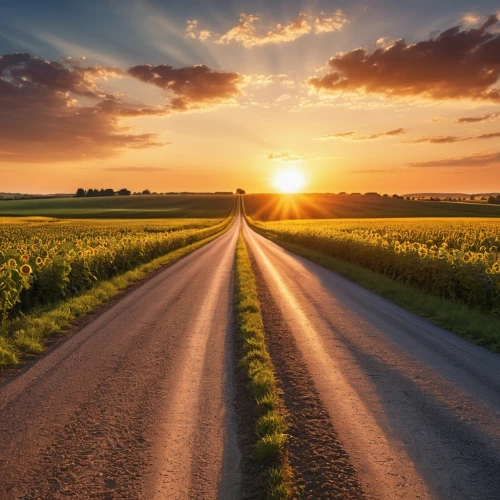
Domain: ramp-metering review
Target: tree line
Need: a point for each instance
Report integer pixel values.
(91, 193)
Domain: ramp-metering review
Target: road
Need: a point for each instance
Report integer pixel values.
(416, 407)
(138, 403)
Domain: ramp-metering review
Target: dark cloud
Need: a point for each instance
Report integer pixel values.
(192, 87)
(457, 64)
(352, 136)
(474, 160)
(41, 119)
(478, 119)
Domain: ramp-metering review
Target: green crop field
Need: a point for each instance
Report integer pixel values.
(269, 207)
(122, 207)
(457, 259)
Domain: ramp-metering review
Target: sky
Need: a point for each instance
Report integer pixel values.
(390, 96)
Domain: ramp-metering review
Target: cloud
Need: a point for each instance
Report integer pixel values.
(352, 136)
(246, 32)
(474, 160)
(478, 119)
(285, 156)
(449, 139)
(457, 64)
(489, 136)
(42, 118)
(470, 18)
(191, 87)
(136, 169)
(441, 139)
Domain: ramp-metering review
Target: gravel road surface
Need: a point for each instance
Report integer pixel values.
(416, 407)
(138, 403)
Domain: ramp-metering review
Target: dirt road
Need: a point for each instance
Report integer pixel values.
(416, 408)
(138, 403)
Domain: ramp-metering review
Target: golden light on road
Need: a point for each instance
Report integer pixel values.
(289, 181)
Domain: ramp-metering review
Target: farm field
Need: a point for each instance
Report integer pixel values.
(122, 207)
(271, 207)
(457, 259)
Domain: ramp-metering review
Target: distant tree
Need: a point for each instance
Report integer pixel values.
(386, 196)
(342, 193)
(472, 198)
(240, 191)
(395, 195)
(372, 193)
(483, 198)
(108, 192)
(494, 200)
(90, 193)
(408, 198)
(80, 193)
(355, 194)
(124, 192)
(146, 191)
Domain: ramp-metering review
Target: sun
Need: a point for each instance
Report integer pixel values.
(289, 181)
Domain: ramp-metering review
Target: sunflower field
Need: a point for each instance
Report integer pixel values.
(45, 260)
(457, 259)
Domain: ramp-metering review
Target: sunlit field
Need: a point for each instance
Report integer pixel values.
(269, 207)
(457, 259)
(123, 207)
(45, 260)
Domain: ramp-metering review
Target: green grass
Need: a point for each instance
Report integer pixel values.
(475, 326)
(122, 207)
(271, 425)
(26, 334)
(269, 207)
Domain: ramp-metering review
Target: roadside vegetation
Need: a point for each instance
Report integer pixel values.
(53, 271)
(271, 425)
(445, 270)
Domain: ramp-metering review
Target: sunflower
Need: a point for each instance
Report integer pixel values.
(26, 269)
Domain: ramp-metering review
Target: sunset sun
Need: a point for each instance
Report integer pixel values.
(289, 181)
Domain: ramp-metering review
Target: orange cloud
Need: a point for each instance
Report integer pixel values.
(449, 139)
(41, 119)
(192, 87)
(474, 160)
(285, 156)
(478, 119)
(246, 32)
(458, 64)
(352, 136)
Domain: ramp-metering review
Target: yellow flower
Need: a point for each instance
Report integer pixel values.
(26, 269)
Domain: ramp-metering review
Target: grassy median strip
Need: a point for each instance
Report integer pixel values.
(473, 325)
(270, 426)
(26, 334)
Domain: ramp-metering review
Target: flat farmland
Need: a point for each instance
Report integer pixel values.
(271, 207)
(126, 207)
